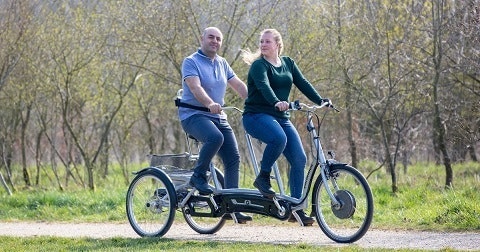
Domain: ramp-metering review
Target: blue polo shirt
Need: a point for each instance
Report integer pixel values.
(213, 75)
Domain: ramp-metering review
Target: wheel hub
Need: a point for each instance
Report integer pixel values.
(347, 204)
(154, 206)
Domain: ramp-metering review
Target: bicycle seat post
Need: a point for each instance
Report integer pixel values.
(190, 141)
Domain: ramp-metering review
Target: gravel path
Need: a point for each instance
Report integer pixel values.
(284, 233)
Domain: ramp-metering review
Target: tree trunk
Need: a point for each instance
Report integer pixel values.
(440, 136)
(26, 176)
(438, 124)
(91, 183)
(388, 158)
(8, 156)
(4, 184)
(471, 150)
(104, 155)
(37, 156)
(351, 139)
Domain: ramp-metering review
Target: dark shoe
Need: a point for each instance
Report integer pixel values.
(241, 218)
(262, 183)
(200, 183)
(160, 192)
(306, 220)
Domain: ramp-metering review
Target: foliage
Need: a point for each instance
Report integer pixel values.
(87, 84)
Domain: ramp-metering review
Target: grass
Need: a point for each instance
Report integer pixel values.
(84, 206)
(150, 244)
(422, 203)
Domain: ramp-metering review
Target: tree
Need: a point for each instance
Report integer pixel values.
(81, 81)
(439, 15)
(15, 19)
(13, 23)
(463, 59)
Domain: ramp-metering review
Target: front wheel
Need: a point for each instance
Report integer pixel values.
(151, 203)
(350, 219)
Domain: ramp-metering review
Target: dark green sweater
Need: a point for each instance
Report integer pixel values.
(268, 85)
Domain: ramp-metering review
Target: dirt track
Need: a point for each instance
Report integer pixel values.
(283, 233)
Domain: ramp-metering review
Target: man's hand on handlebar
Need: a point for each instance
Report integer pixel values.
(215, 108)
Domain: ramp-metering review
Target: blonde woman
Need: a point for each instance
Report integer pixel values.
(266, 118)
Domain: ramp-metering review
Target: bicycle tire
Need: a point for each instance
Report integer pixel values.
(351, 221)
(151, 203)
(203, 225)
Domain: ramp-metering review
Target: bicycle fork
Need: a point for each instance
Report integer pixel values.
(323, 172)
(323, 165)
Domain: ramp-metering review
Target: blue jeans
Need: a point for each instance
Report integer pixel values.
(280, 136)
(216, 136)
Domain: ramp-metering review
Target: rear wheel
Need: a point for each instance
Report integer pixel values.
(199, 214)
(350, 220)
(151, 203)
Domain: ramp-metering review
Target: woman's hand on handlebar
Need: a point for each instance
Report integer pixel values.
(282, 106)
(297, 105)
(327, 102)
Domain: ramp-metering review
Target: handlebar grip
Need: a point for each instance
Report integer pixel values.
(295, 105)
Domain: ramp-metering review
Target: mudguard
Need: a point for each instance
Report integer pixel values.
(154, 170)
(335, 163)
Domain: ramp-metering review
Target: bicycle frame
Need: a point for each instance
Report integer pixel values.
(319, 160)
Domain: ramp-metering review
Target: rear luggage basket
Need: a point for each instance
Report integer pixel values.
(179, 167)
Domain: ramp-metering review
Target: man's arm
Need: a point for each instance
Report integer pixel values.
(197, 90)
(239, 86)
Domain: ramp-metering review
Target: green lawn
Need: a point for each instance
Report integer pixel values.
(422, 203)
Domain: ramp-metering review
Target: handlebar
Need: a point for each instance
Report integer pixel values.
(232, 108)
(297, 105)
